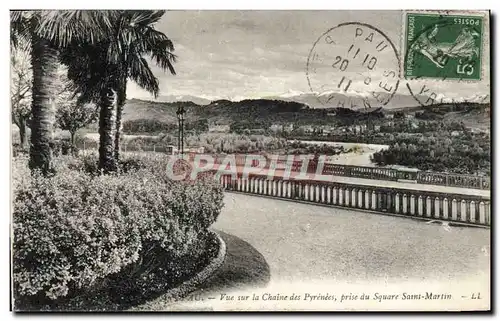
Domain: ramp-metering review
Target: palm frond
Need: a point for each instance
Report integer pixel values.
(107, 62)
(141, 73)
(89, 70)
(164, 59)
(143, 17)
(20, 29)
(157, 45)
(65, 26)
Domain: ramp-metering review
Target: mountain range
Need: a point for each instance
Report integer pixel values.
(318, 100)
(262, 113)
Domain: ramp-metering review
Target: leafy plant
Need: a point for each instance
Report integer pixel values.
(76, 232)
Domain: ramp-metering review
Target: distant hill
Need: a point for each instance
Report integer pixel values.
(219, 111)
(162, 111)
(264, 112)
(175, 98)
(318, 100)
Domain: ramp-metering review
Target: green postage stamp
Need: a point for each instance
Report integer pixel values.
(443, 46)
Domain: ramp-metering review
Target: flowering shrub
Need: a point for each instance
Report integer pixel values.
(73, 231)
(63, 147)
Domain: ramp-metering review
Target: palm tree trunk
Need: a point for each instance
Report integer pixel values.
(120, 102)
(43, 61)
(106, 127)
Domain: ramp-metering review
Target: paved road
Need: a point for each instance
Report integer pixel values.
(304, 242)
(327, 251)
(380, 183)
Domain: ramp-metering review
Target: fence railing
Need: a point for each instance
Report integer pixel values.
(411, 203)
(421, 177)
(359, 171)
(389, 174)
(469, 181)
(378, 173)
(94, 145)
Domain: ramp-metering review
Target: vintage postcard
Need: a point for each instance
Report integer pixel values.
(182, 160)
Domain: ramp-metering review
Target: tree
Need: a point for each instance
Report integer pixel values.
(20, 91)
(95, 79)
(100, 71)
(72, 114)
(134, 38)
(399, 115)
(41, 33)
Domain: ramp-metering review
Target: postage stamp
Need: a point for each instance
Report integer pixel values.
(443, 46)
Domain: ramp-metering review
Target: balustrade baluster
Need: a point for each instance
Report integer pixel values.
(437, 208)
(420, 205)
(463, 210)
(445, 208)
(390, 202)
(454, 210)
(354, 192)
(482, 213)
(428, 206)
(472, 218)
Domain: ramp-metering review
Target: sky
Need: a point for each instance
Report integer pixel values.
(254, 54)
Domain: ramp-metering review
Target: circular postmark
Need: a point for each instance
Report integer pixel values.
(442, 47)
(353, 65)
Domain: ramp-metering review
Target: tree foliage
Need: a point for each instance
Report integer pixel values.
(72, 114)
(106, 65)
(21, 80)
(42, 33)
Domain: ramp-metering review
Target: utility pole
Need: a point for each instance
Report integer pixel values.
(180, 117)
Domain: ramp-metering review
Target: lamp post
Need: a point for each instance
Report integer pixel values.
(180, 117)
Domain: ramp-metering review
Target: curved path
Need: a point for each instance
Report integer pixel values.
(316, 245)
(307, 242)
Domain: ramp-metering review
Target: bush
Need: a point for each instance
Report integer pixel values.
(63, 147)
(130, 164)
(18, 150)
(89, 163)
(75, 232)
(68, 233)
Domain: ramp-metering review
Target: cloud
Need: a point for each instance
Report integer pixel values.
(232, 54)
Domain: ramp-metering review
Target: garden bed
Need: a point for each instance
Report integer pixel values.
(86, 241)
(167, 286)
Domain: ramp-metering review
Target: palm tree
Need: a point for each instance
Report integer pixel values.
(100, 71)
(43, 33)
(134, 38)
(95, 79)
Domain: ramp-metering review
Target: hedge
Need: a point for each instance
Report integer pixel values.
(77, 231)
